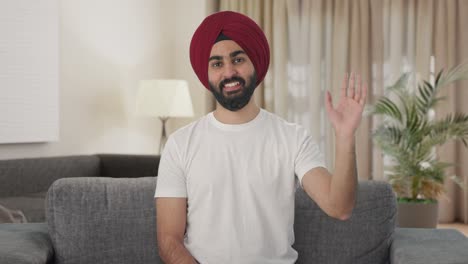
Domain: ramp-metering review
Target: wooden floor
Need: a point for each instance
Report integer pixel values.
(459, 226)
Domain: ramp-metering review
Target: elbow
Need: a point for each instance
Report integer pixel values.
(344, 210)
(342, 214)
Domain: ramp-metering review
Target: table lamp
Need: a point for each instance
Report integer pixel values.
(164, 99)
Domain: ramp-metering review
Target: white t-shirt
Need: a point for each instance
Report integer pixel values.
(239, 181)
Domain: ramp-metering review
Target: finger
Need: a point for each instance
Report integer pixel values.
(344, 86)
(351, 85)
(357, 92)
(363, 98)
(328, 102)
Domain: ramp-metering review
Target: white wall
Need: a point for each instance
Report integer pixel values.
(106, 47)
(29, 87)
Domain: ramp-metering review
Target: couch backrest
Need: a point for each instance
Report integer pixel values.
(364, 238)
(106, 220)
(33, 175)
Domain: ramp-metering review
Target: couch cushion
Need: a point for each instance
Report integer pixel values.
(364, 238)
(31, 205)
(425, 245)
(103, 220)
(25, 243)
(11, 216)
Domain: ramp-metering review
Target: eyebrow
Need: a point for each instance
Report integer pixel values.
(232, 55)
(235, 53)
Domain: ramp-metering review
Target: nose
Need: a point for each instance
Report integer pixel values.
(229, 70)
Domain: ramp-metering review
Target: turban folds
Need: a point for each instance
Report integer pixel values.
(237, 27)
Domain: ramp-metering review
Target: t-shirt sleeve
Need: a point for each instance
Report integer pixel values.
(308, 155)
(171, 180)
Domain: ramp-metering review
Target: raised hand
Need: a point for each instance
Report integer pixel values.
(347, 115)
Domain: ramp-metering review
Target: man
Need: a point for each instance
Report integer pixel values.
(225, 191)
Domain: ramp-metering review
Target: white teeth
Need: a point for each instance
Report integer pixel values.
(231, 84)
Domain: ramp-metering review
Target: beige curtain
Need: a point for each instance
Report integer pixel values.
(380, 40)
(327, 39)
(314, 42)
(450, 47)
(426, 36)
(309, 43)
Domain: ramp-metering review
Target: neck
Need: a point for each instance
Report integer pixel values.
(244, 115)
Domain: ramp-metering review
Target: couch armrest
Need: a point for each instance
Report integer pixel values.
(364, 238)
(128, 165)
(103, 220)
(427, 245)
(25, 243)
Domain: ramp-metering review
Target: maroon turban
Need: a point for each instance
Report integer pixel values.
(237, 27)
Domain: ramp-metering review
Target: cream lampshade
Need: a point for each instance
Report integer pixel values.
(164, 99)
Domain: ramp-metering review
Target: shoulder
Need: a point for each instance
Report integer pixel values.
(180, 137)
(188, 129)
(281, 123)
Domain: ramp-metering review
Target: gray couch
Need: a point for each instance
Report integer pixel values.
(112, 220)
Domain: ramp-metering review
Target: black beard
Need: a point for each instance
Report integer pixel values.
(237, 101)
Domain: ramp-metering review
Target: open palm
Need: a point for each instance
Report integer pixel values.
(347, 115)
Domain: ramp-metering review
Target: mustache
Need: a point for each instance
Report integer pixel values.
(233, 79)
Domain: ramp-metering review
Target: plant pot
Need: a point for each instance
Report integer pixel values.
(417, 215)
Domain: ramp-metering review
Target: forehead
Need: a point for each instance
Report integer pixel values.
(224, 48)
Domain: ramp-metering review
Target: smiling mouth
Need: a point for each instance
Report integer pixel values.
(232, 87)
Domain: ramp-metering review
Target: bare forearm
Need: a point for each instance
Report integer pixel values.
(173, 251)
(344, 180)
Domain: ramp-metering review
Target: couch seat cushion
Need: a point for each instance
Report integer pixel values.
(427, 245)
(25, 243)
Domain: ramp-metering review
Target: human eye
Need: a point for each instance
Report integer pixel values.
(238, 60)
(216, 64)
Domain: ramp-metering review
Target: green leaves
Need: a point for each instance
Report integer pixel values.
(453, 126)
(427, 97)
(459, 72)
(388, 108)
(408, 133)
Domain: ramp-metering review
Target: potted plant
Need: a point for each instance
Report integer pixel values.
(408, 136)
